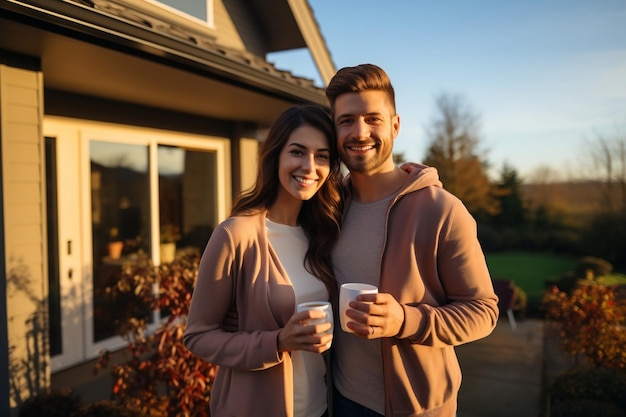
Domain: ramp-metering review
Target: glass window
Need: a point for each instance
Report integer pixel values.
(121, 222)
(120, 216)
(196, 8)
(187, 196)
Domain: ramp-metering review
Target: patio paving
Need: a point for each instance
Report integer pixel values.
(503, 373)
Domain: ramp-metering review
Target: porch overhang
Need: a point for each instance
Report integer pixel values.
(98, 55)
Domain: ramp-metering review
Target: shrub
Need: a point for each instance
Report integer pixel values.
(107, 408)
(162, 378)
(591, 384)
(586, 270)
(606, 236)
(55, 403)
(591, 267)
(567, 282)
(591, 323)
(64, 403)
(585, 408)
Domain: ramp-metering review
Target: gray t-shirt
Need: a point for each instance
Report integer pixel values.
(357, 368)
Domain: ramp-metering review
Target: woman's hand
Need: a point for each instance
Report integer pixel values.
(300, 334)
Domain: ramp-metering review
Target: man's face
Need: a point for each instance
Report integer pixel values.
(366, 127)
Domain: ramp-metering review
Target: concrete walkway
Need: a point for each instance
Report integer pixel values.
(503, 373)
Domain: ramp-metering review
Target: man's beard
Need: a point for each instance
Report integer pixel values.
(363, 163)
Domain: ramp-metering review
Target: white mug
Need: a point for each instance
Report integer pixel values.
(347, 293)
(324, 306)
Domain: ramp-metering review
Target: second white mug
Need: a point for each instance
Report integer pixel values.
(325, 306)
(347, 293)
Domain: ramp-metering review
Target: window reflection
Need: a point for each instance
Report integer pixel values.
(121, 223)
(120, 212)
(187, 198)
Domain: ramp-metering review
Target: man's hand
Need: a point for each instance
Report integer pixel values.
(375, 315)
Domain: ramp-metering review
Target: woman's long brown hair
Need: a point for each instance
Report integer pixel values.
(320, 216)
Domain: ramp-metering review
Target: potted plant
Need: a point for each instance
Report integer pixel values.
(169, 236)
(115, 243)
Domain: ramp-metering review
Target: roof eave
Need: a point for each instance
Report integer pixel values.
(75, 20)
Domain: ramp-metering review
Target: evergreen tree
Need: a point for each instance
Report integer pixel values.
(512, 210)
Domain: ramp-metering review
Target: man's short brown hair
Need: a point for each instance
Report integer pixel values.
(359, 78)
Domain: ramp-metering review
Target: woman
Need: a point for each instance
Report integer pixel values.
(270, 255)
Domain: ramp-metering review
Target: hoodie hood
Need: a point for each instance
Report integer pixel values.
(420, 176)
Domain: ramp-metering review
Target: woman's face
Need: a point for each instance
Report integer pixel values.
(303, 164)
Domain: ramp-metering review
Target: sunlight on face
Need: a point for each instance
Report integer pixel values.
(304, 164)
(366, 128)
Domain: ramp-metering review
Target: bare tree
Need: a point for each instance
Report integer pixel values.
(454, 150)
(608, 162)
(606, 235)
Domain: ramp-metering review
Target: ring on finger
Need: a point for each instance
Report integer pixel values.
(371, 330)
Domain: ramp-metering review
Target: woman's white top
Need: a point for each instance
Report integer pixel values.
(309, 370)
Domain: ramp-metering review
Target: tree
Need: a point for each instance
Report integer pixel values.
(399, 158)
(606, 234)
(453, 150)
(512, 210)
(608, 162)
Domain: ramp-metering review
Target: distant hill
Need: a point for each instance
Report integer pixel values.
(575, 200)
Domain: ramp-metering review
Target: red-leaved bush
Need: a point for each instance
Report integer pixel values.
(592, 323)
(162, 378)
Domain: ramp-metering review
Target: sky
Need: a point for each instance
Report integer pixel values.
(545, 77)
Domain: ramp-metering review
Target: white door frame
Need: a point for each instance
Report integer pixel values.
(71, 269)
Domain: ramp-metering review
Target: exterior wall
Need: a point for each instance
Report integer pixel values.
(249, 151)
(235, 27)
(21, 107)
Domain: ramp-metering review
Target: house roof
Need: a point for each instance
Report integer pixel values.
(298, 29)
(81, 41)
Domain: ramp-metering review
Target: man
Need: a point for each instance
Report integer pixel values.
(405, 234)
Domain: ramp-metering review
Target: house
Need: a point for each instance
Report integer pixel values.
(123, 122)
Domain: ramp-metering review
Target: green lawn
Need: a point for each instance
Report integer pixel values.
(530, 271)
